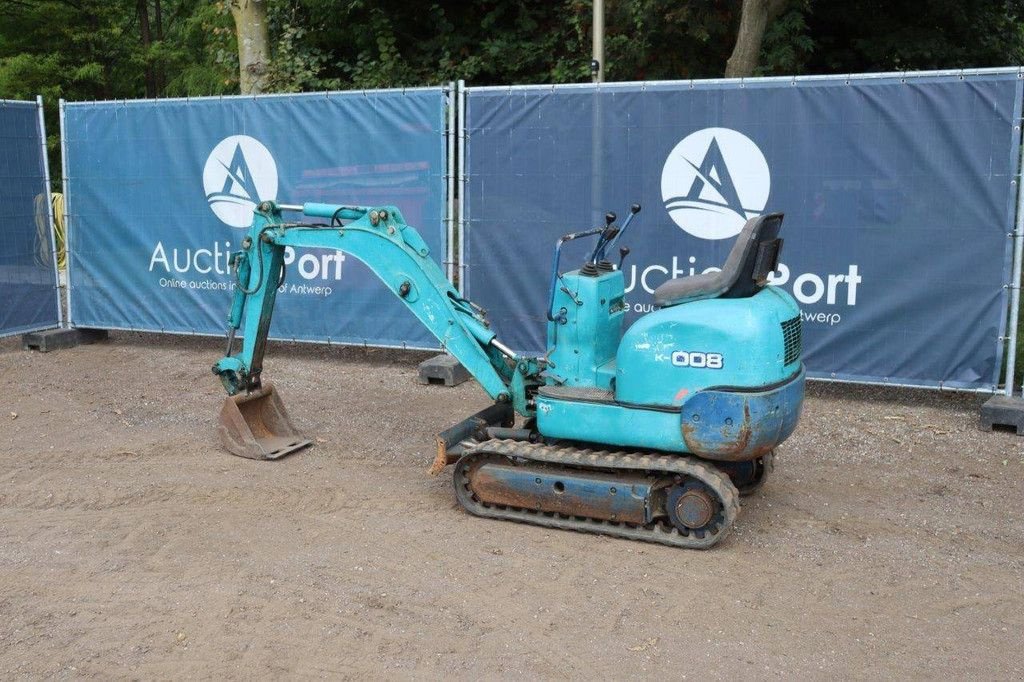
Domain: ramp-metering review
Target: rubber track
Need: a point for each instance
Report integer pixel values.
(660, 532)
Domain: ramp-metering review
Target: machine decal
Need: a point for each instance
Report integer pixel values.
(239, 173)
(702, 196)
(697, 359)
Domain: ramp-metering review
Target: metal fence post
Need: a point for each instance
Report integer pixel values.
(1015, 282)
(450, 133)
(463, 139)
(67, 211)
(49, 210)
(1018, 251)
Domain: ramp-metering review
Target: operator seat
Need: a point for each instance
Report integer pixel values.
(754, 256)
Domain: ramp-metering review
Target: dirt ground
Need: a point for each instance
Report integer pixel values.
(890, 541)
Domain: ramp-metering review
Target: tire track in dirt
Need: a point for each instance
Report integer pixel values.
(295, 499)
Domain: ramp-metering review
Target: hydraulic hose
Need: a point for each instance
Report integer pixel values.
(259, 278)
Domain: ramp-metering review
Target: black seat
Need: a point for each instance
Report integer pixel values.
(754, 256)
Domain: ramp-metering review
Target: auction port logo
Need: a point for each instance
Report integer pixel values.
(239, 173)
(713, 181)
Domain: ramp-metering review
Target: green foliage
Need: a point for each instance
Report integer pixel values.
(657, 40)
(296, 66)
(102, 49)
(93, 49)
(360, 44)
(200, 55)
(878, 35)
(389, 43)
(787, 44)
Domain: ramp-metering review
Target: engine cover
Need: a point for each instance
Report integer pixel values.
(670, 354)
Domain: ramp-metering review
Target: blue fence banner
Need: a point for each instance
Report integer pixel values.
(28, 276)
(899, 193)
(161, 192)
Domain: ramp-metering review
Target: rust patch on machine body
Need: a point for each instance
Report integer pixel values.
(625, 497)
(739, 426)
(449, 442)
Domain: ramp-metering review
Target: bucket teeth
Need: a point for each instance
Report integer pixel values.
(256, 425)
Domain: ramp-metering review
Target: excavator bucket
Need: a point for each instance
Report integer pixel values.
(256, 425)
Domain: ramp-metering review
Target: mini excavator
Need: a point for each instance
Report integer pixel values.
(650, 434)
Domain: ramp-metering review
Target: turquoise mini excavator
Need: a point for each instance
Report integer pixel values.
(652, 434)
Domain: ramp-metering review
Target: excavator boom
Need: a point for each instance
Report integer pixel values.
(253, 421)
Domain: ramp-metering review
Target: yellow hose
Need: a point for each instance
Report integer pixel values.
(58, 229)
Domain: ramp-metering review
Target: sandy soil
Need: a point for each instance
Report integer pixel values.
(889, 542)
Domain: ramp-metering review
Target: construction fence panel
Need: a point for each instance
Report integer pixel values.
(899, 192)
(29, 298)
(160, 192)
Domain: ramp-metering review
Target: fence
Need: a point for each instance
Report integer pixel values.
(159, 193)
(28, 274)
(899, 192)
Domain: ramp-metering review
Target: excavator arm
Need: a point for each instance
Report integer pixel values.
(397, 254)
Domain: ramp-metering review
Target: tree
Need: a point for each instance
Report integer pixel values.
(882, 35)
(253, 37)
(755, 16)
(112, 49)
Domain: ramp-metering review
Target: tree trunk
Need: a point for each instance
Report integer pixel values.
(158, 24)
(253, 44)
(158, 20)
(147, 40)
(754, 19)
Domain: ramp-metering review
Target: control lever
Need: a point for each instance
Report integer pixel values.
(606, 237)
(623, 252)
(612, 233)
(633, 210)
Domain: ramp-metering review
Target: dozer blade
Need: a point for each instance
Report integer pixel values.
(256, 425)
